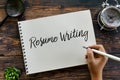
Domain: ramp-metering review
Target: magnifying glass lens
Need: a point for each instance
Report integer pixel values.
(14, 8)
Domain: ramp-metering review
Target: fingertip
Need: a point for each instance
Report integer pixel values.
(89, 50)
(90, 55)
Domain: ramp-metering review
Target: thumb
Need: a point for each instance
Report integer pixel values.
(90, 55)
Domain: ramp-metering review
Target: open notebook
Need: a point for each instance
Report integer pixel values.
(56, 42)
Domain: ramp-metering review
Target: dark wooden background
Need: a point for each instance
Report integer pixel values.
(10, 48)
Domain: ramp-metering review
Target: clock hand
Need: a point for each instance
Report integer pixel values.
(110, 16)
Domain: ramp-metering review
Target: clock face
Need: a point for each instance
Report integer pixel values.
(111, 17)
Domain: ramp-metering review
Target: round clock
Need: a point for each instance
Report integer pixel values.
(109, 17)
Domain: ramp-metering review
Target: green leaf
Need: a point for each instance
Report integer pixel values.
(12, 73)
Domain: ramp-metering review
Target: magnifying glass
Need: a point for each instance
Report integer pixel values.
(13, 8)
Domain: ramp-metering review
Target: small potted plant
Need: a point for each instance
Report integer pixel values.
(12, 73)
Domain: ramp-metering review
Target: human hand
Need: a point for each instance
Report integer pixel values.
(96, 62)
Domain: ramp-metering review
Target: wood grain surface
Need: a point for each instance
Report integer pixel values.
(10, 47)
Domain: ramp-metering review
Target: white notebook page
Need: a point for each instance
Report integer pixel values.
(56, 42)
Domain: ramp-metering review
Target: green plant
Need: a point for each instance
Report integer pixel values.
(12, 73)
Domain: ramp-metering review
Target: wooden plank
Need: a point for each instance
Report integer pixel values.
(2, 3)
(66, 3)
(44, 11)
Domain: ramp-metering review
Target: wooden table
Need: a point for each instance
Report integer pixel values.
(10, 48)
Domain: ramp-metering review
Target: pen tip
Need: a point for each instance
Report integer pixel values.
(85, 47)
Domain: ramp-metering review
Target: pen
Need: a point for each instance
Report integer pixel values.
(104, 54)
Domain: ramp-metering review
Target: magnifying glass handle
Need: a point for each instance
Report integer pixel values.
(3, 21)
